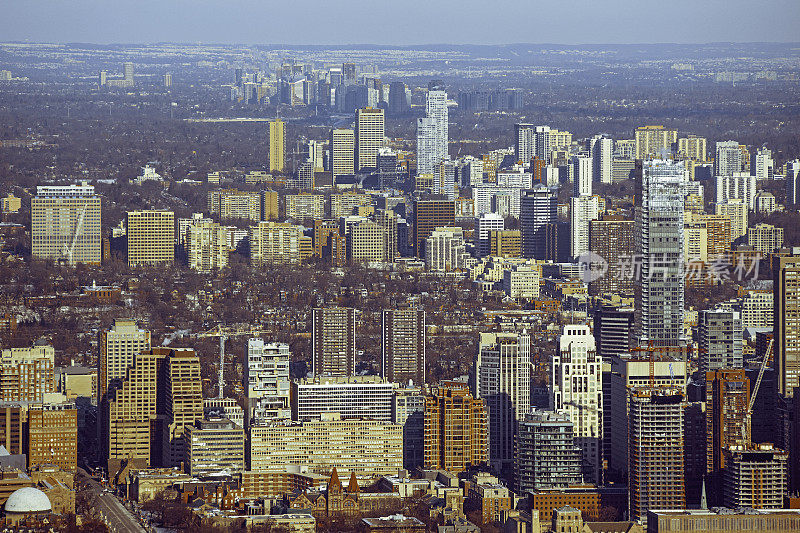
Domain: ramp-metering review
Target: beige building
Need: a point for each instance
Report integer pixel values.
(65, 224)
(53, 435)
(346, 203)
(342, 153)
(10, 204)
(505, 243)
(26, 374)
(118, 346)
(215, 445)
(207, 246)
(275, 242)
(367, 243)
(765, 238)
(736, 211)
(235, 204)
(786, 276)
(302, 206)
(653, 141)
(721, 520)
(277, 145)
(369, 137)
(270, 208)
(692, 147)
(151, 238)
(368, 448)
(78, 382)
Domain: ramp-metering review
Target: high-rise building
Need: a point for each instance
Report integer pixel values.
(342, 147)
(277, 145)
(577, 391)
(127, 69)
(352, 397)
(403, 345)
(167, 80)
(275, 243)
(692, 147)
(182, 398)
(655, 451)
(765, 238)
(369, 137)
(612, 238)
(445, 250)
(720, 332)
(538, 209)
(613, 331)
(583, 210)
(792, 178)
(525, 142)
(235, 204)
(786, 298)
(387, 220)
(366, 243)
(207, 246)
(755, 477)
(728, 158)
(365, 447)
(118, 346)
(602, 153)
(734, 210)
(214, 445)
(546, 456)
(739, 186)
(65, 224)
(305, 206)
(429, 215)
(727, 398)
(151, 238)
(408, 411)
(456, 428)
(27, 374)
(581, 166)
(52, 436)
(654, 141)
(659, 243)
(505, 243)
(502, 381)
(432, 133)
(267, 381)
(347, 203)
(334, 341)
(398, 104)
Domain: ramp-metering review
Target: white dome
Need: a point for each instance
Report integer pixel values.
(28, 500)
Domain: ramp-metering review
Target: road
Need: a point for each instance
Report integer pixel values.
(114, 514)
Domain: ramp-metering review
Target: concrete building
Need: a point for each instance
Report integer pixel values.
(456, 429)
(207, 246)
(347, 203)
(755, 477)
(546, 456)
(369, 137)
(693, 147)
(366, 242)
(786, 301)
(27, 374)
(215, 445)
(484, 225)
(738, 186)
(728, 158)
(66, 224)
(581, 168)
(235, 204)
(342, 153)
(428, 216)
(577, 392)
(224, 408)
(432, 133)
(522, 281)
(654, 141)
(445, 250)
(736, 211)
(333, 338)
(267, 381)
(720, 332)
(52, 436)
(403, 345)
(368, 448)
(611, 237)
(151, 238)
(765, 238)
(275, 243)
(352, 397)
(601, 150)
(304, 206)
(276, 133)
(656, 451)
(538, 210)
(613, 331)
(583, 210)
(408, 410)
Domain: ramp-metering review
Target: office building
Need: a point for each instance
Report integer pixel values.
(538, 210)
(659, 244)
(275, 243)
(581, 168)
(66, 224)
(151, 238)
(329, 243)
(352, 397)
(656, 451)
(786, 301)
(182, 402)
(52, 436)
(601, 150)
(613, 331)
(27, 374)
(546, 456)
(505, 243)
(214, 445)
(408, 411)
(792, 178)
(456, 428)
(267, 381)
(692, 147)
(388, 220)
(207, 246)
(367, 448)
(432, 133)
(583, 210)
(728, 158)
(727, 398)
(502, 381)
(522, 282)
(654, 141)
(764, 238)
(577, 392)
(277, 145)
(403, 345)
(755, 477)
(349, 203)
(445, 250)
(428, 216)
(118, 346)
(720, 333)
(612, 238)
(366, 242)
(342, 147)
(398, 103)
(334, 339)
(224, 408)
(369, 137)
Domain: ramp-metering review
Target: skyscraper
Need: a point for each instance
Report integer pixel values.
(611, 237)
(456, 428)
(342, 153)
(398, 104)
(786, 298)
(65, 224)
(538, 209)
(484, 225)
(659, 243)
(577, 391)
(151, 238)
(429, 215)
(720, 333)
(267, 381)
(403, 345)
(581, 175)
(655, 451)
(546, 456)
(728, 158)
(525, 142)
(502, 381)
(602, 153)
(583, 210)
(277, 145)
(334, 340)
(654, 141)
(432, 133)
(118, 346)
(369, 137)
(127, 69)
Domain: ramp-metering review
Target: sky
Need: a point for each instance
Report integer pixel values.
(400, 22)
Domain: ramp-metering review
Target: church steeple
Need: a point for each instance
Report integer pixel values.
(352, 487)
(333, 482)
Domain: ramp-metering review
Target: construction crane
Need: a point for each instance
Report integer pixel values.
(223, 333)
(747, 416)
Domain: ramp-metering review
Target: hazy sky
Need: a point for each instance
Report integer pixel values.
(400, 21)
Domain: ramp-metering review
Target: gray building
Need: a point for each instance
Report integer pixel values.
(720, 333)
(546, 455)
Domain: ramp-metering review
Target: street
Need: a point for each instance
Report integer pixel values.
(114, 514)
